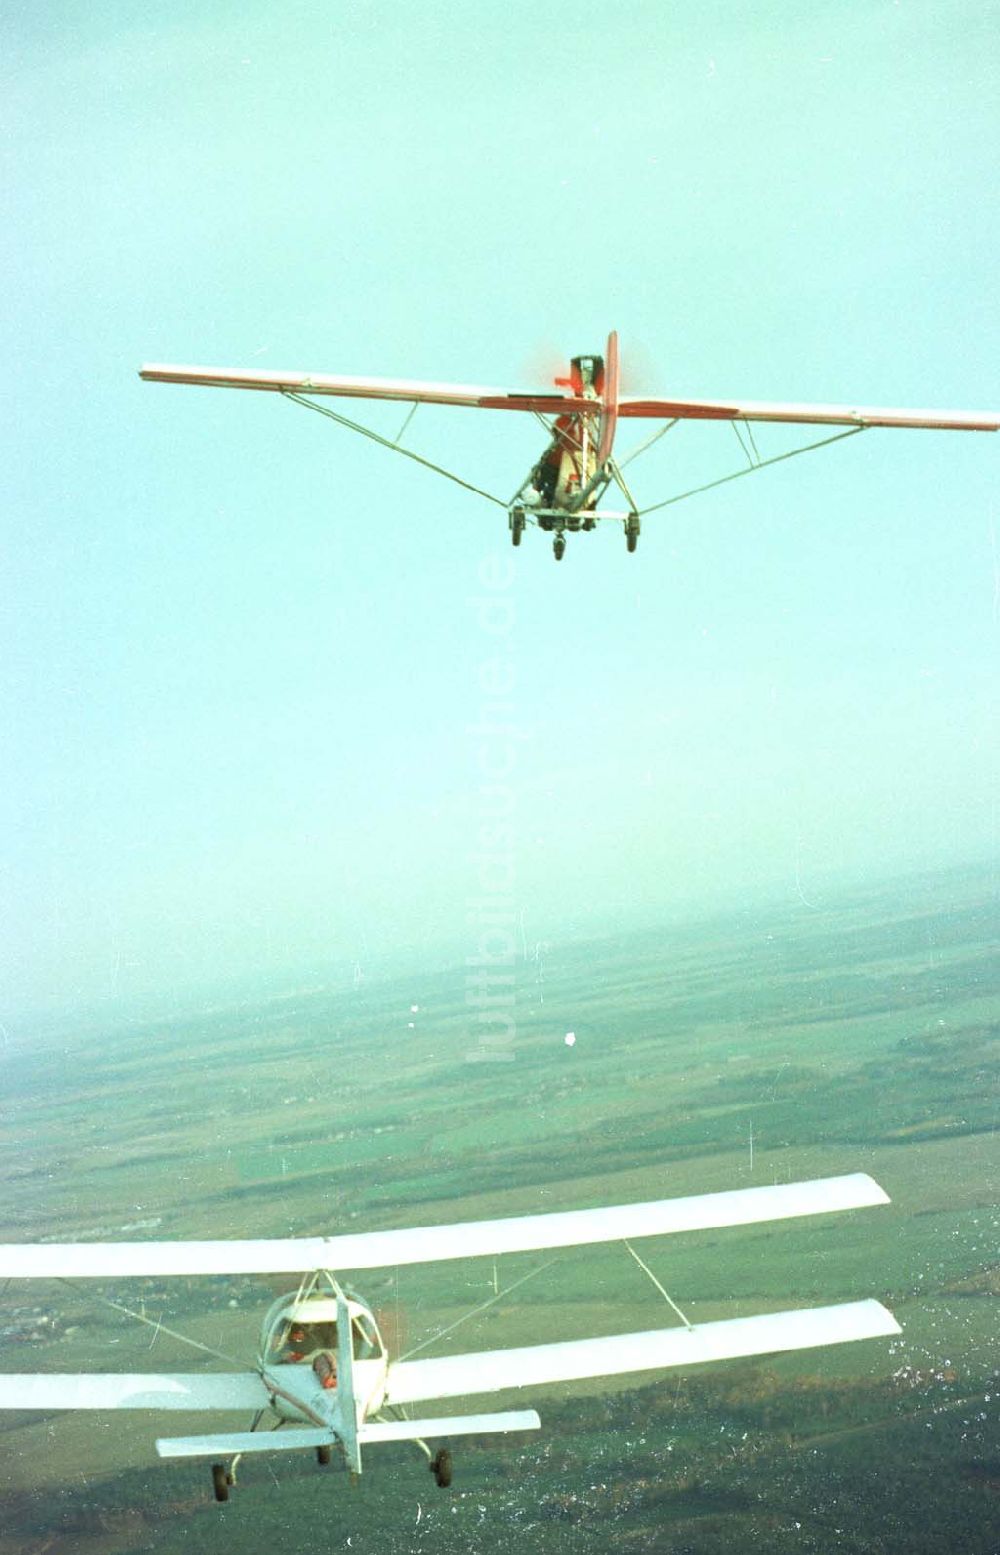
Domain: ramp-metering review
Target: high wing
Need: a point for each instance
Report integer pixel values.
(493, 1371)
(552, 401)
(813, 415)
(430, 1244)
(556, 402)
(141, 1390)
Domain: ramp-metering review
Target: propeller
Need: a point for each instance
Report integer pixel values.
(638, 368)
(543, 364)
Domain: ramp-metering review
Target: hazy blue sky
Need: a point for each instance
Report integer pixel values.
(241, 650)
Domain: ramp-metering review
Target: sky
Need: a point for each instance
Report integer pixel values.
(249, 661)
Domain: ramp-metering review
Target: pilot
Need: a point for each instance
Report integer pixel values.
(302, 1340)
(545, 475)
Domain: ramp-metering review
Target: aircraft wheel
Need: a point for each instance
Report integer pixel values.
(440, 1467)
(559, 547)
(220, 1482)
(324, 1454)
(631, 541)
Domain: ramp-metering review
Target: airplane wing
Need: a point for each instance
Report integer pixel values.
(556, 402)
(431, 1244)
(552, 402)
(493, 1371)
(142, 1390)
(813, 415)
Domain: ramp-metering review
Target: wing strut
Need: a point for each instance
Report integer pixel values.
(762, 464)
(671, 1303)
(376, 437)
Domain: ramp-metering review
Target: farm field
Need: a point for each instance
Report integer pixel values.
(767, 1045)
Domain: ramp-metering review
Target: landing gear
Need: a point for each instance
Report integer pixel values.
(324, 1454)
(516, 525)
(440, 1467)
(632, 531)
(221, 1481)
(559, 547)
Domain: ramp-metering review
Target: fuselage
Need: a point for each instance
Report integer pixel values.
(567, 466)
(300, 1343)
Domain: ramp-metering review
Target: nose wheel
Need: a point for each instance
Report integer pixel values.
(559, 547)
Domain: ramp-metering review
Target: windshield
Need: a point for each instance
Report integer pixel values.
(297, 1341)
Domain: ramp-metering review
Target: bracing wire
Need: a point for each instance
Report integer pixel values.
(376, 437)
(751, 461)
(481, 1308)
(409, 417)
(220, 1355)
(161, 1327)
(738, 474)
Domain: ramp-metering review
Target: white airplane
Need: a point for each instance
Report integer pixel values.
(562, 492)
(324, 1372)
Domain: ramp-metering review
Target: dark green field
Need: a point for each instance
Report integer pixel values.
(857, 1036)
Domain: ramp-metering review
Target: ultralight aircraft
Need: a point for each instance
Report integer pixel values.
(323, 1369)
(563, 490)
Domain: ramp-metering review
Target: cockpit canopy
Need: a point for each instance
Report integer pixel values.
(587, 374)
(298, 1329)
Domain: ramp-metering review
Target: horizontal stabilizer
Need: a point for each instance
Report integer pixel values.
(493, 1371)
(448, 1425)
(241, 1441)
(428, 1244)
(142, 1390)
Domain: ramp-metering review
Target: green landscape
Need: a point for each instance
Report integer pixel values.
(767, 1044)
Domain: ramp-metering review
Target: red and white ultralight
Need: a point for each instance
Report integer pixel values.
(581, 412)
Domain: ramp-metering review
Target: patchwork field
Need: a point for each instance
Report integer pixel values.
(766, 1046)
